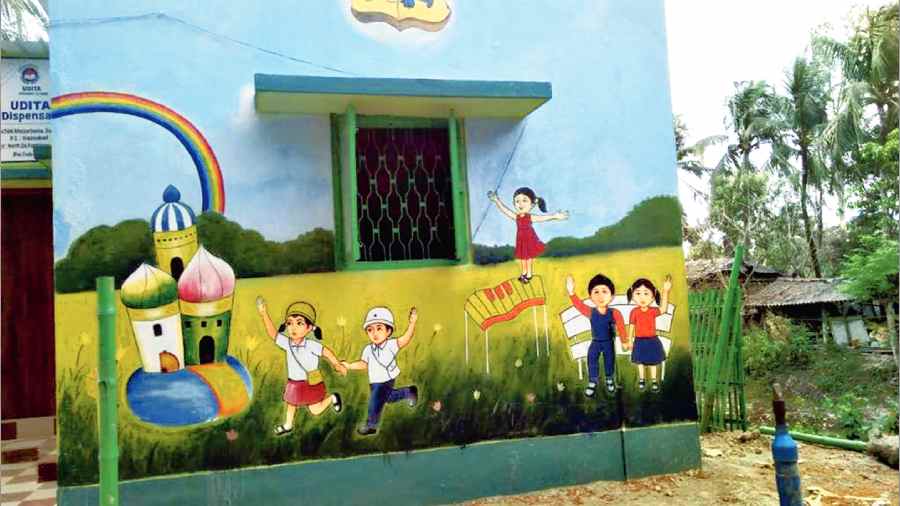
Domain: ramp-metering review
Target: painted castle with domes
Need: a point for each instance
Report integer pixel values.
(180, 312)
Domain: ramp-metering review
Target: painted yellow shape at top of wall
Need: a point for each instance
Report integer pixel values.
(429, 15)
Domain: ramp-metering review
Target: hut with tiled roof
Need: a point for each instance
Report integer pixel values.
(150, 297)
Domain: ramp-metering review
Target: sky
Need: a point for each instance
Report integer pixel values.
(713, 44)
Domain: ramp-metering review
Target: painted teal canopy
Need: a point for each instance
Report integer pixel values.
(399, 97)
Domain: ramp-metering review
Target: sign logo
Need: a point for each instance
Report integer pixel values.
(428, 15)
(29, 74)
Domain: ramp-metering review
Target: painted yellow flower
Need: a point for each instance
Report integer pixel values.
(252, 343)
(561, 386)
(476, 394)
(530, 397)
(519, 362)
(438, 327)
(341, 322)
(90, 383)
(84, 339)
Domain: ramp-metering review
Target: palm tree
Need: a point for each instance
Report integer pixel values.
(869, 66)
(690, 157)
(805, 115)
(755, 117)
(16, 15)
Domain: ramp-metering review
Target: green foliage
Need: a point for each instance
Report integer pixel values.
(250, 255)
(871, 272)
(781, 343)
(890, 423)
(754, 116)
(23, 20)
(524, 402)
(105, 251)
(117, 251)
(761, 354)
(690, 157)
(849, 414)
(868, 63)
(653, 222)
(485, 255)
(872, 189)
(739, 205)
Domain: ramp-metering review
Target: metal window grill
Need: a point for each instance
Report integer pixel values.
(404, 200)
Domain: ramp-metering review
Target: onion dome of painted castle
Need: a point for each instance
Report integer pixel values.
(206, 278)
(172, 215)
(147, 288)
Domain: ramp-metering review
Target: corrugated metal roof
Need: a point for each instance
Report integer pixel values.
(796, 292)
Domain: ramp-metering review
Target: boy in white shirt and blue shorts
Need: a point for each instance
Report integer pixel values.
(379, 358)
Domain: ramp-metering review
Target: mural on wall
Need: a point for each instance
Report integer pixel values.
(429, 15)
(489, 306)
(379, 360)
(305, 385)
(596, 327)
(181, 321)
(528, 245)
(212, 185)
(226, 324)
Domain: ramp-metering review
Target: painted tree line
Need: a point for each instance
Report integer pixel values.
(828, 133)
(118, 250)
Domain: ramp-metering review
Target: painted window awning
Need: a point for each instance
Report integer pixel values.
(398, 97)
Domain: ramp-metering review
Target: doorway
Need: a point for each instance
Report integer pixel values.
(207, 350)
(27, 332)
(168, 362)
(177, 267)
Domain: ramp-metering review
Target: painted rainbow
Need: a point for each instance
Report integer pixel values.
(211, 183)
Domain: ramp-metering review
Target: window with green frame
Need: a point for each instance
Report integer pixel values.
(399, 192)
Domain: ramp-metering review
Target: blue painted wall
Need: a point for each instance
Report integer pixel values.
(607, 129)
(600, 146)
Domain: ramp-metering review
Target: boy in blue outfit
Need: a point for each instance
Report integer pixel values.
(606, 322)
(379, 357)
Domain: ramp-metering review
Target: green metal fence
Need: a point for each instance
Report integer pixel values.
(716, 342)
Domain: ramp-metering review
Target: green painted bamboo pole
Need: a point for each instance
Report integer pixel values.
(739, 345)
(846, 444)
(712, 377)
(106, 382)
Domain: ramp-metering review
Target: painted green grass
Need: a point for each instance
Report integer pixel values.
(542, 396)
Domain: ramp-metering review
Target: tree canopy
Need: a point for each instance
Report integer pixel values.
(118, 250)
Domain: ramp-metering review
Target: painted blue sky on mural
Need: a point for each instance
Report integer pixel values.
(602, 144)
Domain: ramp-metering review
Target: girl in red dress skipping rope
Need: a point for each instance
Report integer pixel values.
(528, 245)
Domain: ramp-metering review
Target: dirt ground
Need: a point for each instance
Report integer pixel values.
(736, 472)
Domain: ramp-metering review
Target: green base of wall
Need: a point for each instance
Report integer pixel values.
(661, 449)
(439, 476)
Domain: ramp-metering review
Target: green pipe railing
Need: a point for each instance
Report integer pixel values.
(107, 387)
(845, 444)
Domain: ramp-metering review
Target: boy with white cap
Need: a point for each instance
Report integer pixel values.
(379, 357)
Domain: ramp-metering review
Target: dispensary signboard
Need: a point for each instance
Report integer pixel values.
(25, 108)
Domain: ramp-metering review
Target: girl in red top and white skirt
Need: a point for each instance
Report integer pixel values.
(528, 245)
(647, 350)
